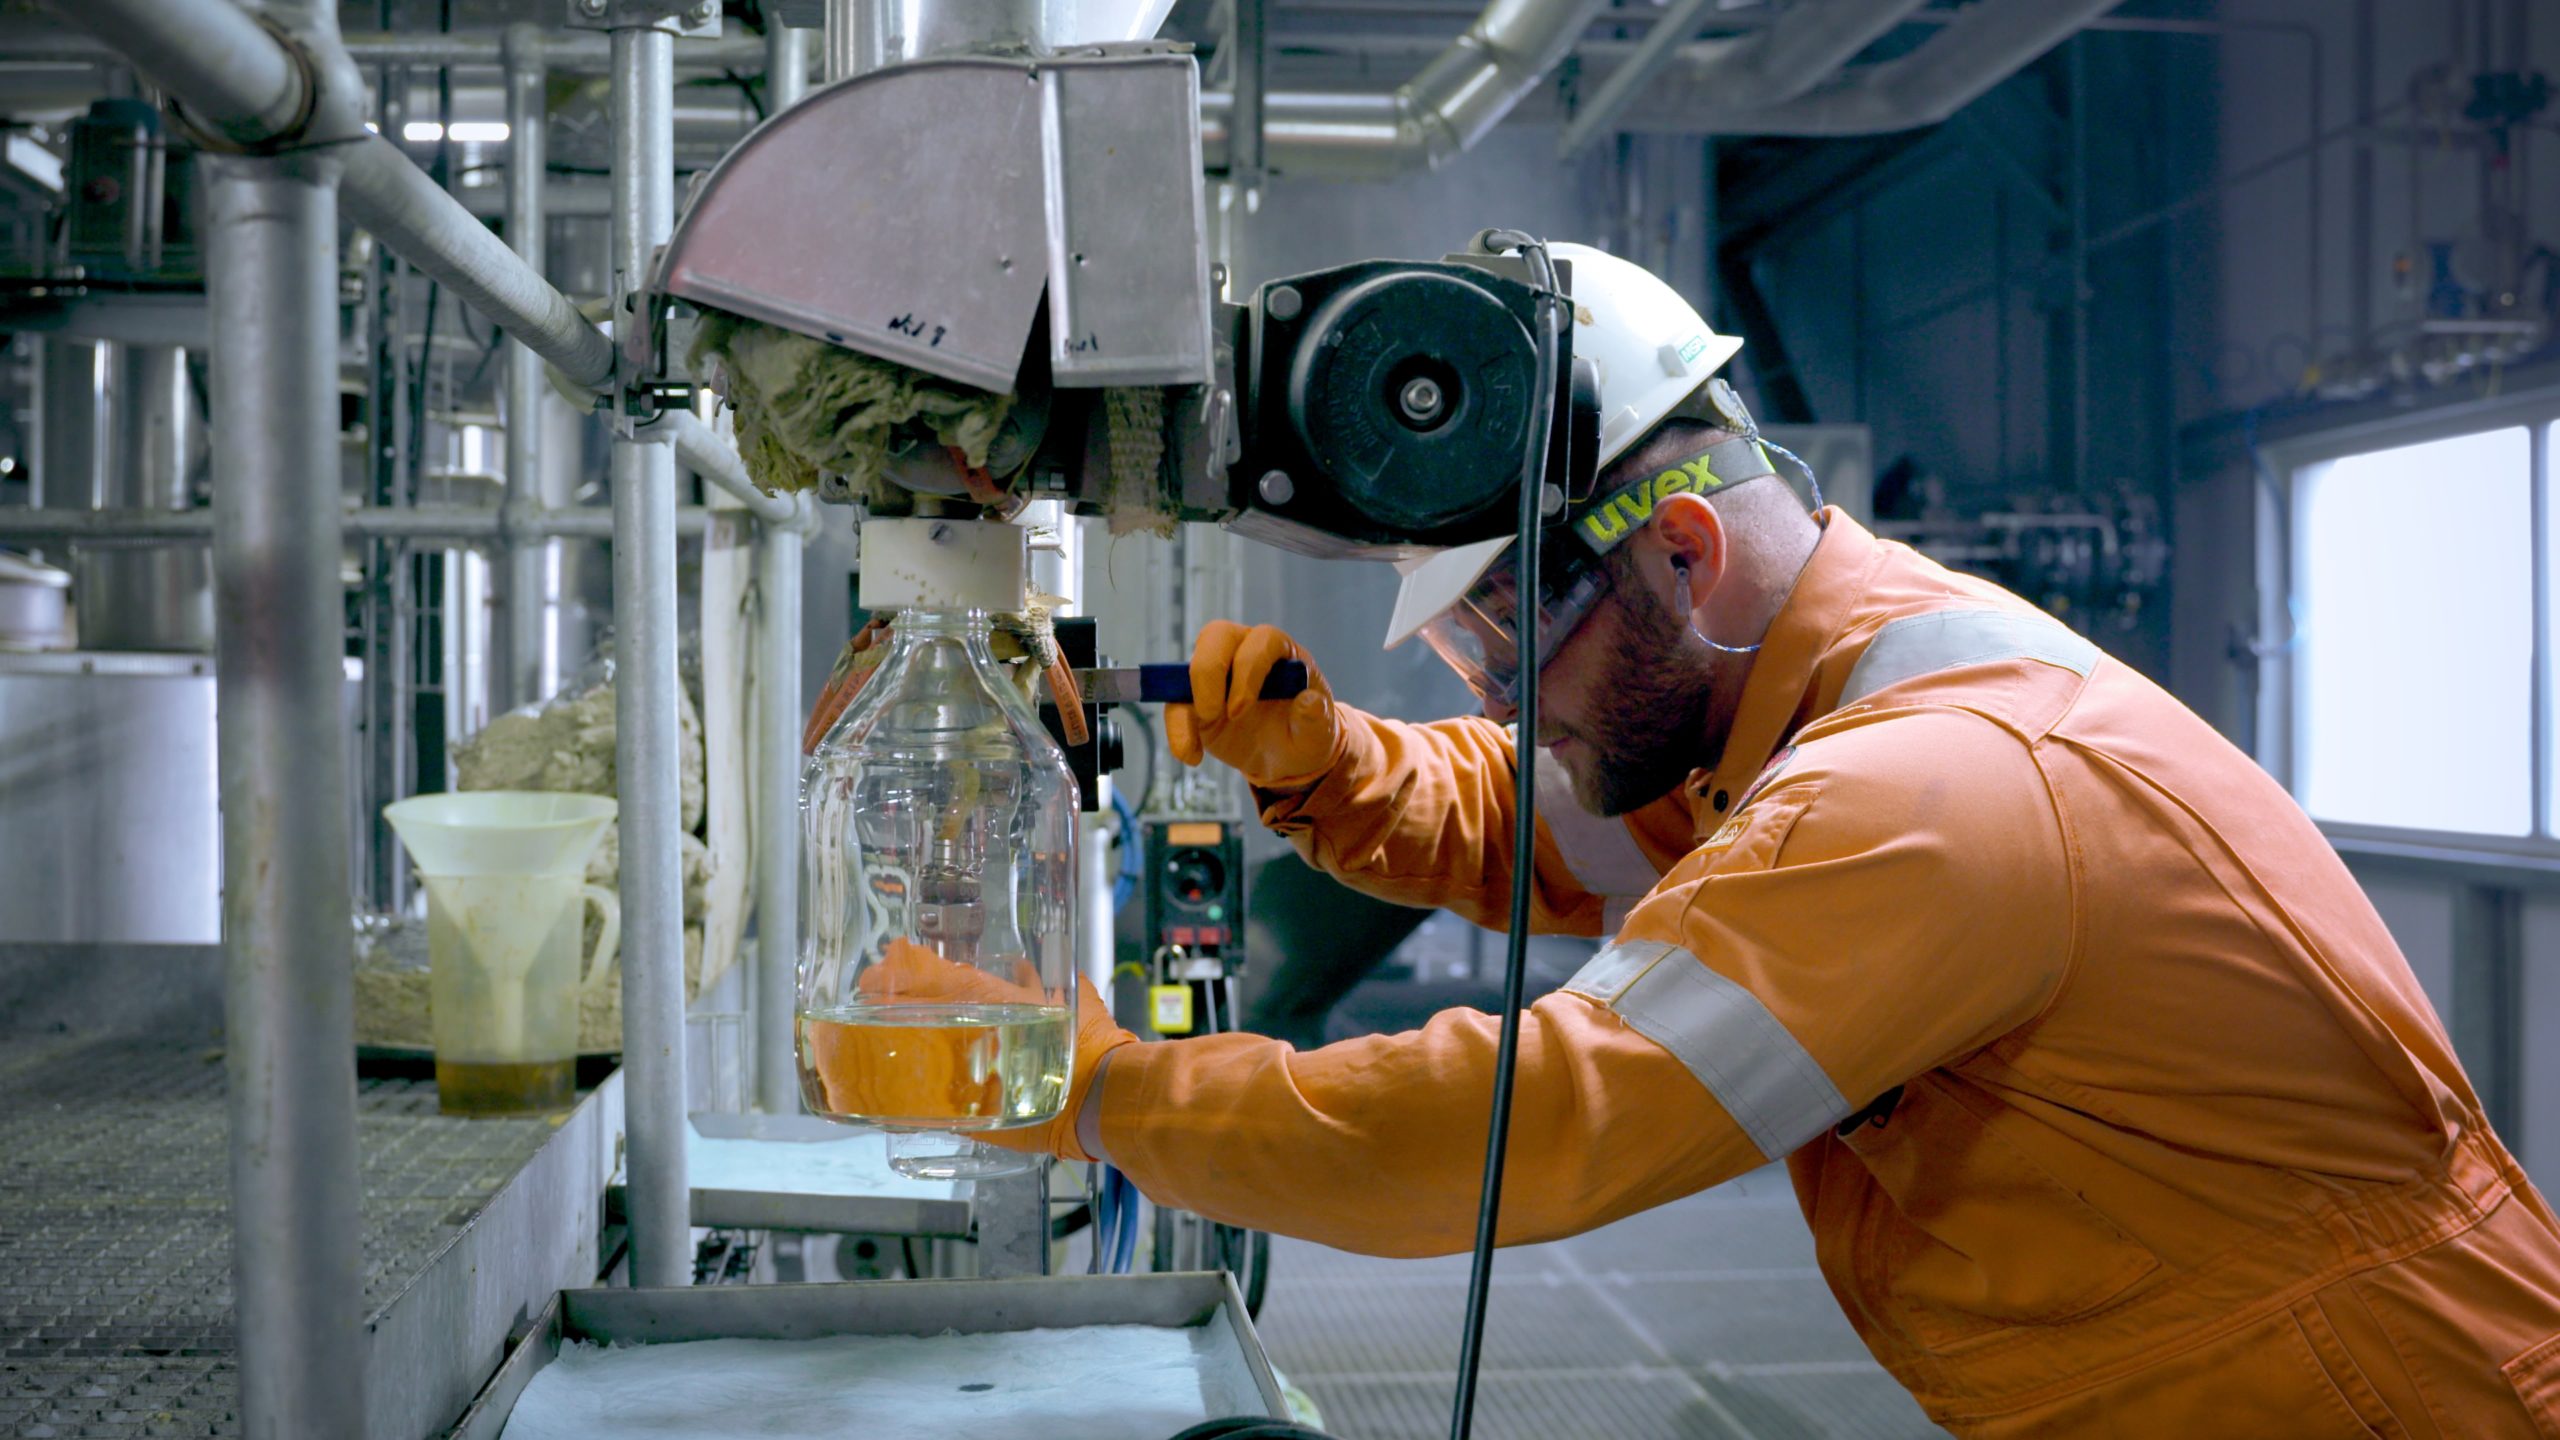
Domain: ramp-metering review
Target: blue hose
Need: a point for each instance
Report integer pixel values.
(1124, 886)
(1125, 1208)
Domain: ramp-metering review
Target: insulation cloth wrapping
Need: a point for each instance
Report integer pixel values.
(805, 406)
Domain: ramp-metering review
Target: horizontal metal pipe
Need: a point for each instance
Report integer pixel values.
(459, 523)
(238, 78)
(559, 198)
(587, 50)
(25, 41)
(231, 71)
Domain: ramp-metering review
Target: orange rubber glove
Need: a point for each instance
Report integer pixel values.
(1277, 744)
(912, 973)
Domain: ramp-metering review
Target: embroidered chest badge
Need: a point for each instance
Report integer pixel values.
(1731, 830)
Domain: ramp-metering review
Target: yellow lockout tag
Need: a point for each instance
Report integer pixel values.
(1169, 1009)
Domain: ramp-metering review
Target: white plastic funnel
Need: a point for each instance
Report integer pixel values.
(504, 870)
(500, 832)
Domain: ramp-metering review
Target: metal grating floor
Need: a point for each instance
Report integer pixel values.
(1701, 1320)
(115, 1237)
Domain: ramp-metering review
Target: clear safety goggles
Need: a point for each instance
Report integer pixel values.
(1479, 636)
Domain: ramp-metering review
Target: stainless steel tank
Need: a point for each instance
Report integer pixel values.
(107, 799)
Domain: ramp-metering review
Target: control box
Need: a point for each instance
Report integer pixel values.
(1195, 923)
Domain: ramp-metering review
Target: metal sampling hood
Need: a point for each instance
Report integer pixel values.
(921, 213)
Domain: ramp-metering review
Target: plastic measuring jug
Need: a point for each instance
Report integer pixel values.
(505, 875)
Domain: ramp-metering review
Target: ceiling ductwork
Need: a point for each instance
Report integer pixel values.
(1784, 78)
(1460, 95)
(1769, 83)
(1800, 50)
(1981, 47)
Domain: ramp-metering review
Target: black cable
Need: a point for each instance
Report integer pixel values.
(1523, 865)
(748, 89)
(1524, 854)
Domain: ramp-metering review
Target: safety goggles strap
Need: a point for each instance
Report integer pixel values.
(1621, 513)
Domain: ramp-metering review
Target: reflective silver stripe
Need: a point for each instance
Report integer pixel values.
(1758, 1071)
(1923, 644)
(1598, 850)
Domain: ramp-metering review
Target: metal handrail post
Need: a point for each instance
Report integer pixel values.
(289, 999)
(644, 602)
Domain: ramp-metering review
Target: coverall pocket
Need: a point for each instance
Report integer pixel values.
(2267, 1381)
(1979, 1238)
(2535, 1374)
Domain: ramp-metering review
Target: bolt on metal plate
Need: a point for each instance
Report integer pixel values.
(688, 19)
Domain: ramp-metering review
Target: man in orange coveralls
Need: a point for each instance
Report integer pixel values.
(2111, 1104)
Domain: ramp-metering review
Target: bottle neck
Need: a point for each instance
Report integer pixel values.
(943, 624)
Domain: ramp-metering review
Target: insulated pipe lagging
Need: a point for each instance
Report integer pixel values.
(422, 224)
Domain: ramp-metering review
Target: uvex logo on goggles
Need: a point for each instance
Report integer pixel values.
(1729, 462)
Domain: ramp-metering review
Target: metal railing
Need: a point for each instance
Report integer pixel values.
(289, 107)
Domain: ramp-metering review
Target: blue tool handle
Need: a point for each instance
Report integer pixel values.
(1164, 684)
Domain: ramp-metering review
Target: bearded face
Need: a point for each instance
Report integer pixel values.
(1627, 704)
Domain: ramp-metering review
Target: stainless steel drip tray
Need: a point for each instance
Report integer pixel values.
(806, 1174)
(957, 1330)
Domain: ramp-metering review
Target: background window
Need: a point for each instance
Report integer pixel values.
(2414, 664)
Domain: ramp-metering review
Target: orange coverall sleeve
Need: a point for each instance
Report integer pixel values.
(1884, 908)
(1421, 815)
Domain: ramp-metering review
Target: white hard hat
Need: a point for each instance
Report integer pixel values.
(1653, 351)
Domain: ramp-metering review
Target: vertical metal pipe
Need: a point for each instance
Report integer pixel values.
(786, 64)
(386, 614)
(777, 812)
(2361, 218)
(644, 612)
(777, 748)
(2546, 796)
(1244, 123)
(71, 418)
(528, 560)
(289, 1005)
(2079, 61)
(852, 37)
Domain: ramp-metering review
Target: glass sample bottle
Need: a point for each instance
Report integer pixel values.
(938, 887)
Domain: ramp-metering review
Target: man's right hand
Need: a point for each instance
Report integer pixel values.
(1278, 744)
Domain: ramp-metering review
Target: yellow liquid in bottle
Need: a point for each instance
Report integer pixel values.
(936, 1067)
